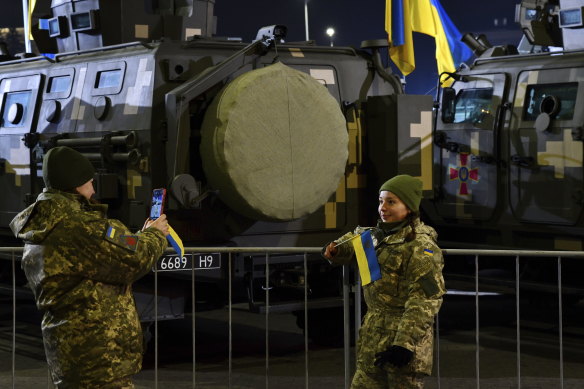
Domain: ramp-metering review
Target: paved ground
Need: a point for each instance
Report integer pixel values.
(540, 367)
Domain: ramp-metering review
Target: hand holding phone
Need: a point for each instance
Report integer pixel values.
(160, 224)
(158, 197)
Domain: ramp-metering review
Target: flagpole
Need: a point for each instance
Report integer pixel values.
(347, 240)
(25, 11)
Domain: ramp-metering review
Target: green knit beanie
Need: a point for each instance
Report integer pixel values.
(65, 168)
(407, 188)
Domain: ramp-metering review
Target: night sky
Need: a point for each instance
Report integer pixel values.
(356, 21)
(353, 21)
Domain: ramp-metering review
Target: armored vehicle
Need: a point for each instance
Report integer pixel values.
(508, 154)
(508, 137)
(258, 144)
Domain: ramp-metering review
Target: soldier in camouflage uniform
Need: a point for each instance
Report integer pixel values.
(396, 339)
(80, 266)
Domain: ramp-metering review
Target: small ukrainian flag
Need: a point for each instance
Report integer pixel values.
(428, 252)
(366, 258)
(175, 241)
(111, 232)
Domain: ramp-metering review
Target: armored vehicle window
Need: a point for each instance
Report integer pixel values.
(562, 95)
(472, 105)
(15, 108)
(108, 78)
(58, 84)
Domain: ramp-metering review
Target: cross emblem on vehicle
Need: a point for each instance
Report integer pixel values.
(463, 174)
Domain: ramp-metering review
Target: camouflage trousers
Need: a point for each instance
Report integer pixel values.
(387, 379)
(122, 383)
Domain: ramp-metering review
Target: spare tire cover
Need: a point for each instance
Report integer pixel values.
(274, 143)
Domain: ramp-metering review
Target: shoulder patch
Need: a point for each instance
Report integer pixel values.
(429, 284)
(117, 237)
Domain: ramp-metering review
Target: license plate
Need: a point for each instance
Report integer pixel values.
(205, 261)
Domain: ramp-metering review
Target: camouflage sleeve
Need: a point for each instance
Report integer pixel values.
(425, 291)
(117, 255)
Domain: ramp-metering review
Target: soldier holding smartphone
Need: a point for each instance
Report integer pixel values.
(80, 266)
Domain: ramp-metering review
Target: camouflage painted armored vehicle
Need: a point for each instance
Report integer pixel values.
(508, 141)
(259, 144)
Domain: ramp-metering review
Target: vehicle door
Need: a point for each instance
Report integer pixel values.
(466, 147)
(546, 171)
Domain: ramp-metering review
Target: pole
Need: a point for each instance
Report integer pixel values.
(306, 19)
(27, 43)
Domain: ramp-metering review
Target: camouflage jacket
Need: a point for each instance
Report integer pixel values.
(80, 266)
(402, 304)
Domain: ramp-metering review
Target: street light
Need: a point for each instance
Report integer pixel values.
(330, 32)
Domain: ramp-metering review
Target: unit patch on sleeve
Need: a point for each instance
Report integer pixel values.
(115, 236)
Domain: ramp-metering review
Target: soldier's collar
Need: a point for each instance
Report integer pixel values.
(391, 228)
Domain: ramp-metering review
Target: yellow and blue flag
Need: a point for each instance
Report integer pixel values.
(366, 258)
(175, 241)
(402, 17)
(111, 232)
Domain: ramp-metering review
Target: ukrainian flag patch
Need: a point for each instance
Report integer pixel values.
(111, 232)
(428, 252)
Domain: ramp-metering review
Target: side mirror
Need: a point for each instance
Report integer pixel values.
(448, 104)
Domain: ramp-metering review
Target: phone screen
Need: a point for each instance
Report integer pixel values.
(157, 203)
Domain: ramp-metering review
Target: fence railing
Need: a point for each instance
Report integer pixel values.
(16, 252)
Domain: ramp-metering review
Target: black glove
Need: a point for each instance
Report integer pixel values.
(396, 355)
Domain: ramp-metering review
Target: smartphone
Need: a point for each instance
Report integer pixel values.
(158, 197)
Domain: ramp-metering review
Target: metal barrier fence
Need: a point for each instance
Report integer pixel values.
(15, 253)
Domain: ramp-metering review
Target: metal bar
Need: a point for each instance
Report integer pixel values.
(13, 319)
(119, 140)
(316, 250)
(438, 349)
(346, 326)
(131, 155)
(193, 321)
(306, 320)
(230, 322)
(518, 321)
(155, 329)
(561, 322)
(267, 319)
(477, 352)
(512, 253)
(358, 304)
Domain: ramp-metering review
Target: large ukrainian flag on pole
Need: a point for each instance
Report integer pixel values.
(402, 17)
(366, 258)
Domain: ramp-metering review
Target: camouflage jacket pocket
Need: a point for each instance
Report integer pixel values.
(389, 258)
(390, 263)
